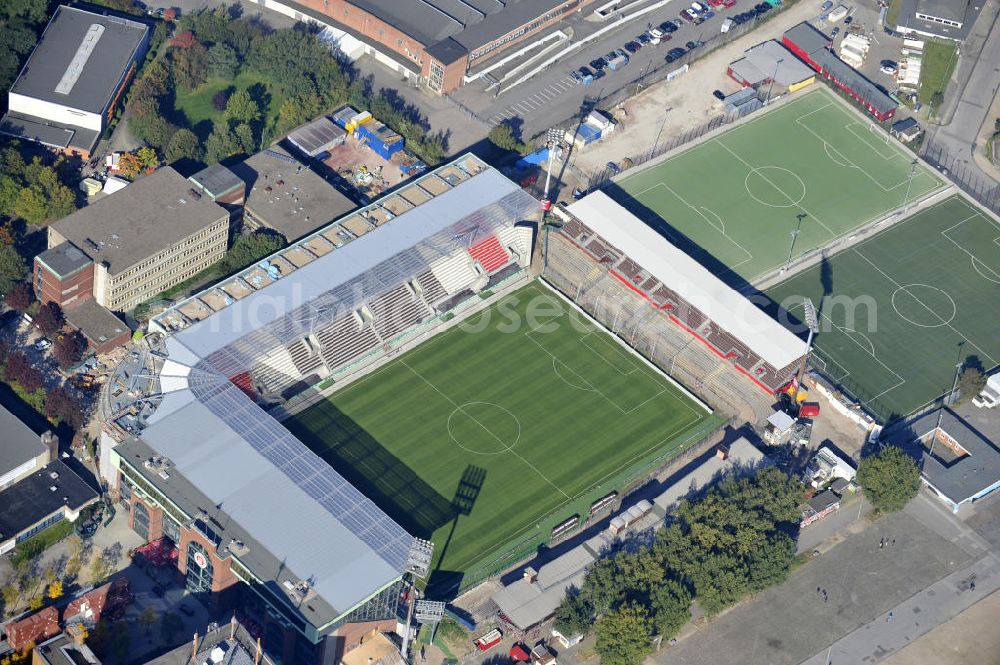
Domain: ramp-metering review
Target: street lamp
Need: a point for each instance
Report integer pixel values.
(812, 322)
(791, 246)
(773, 76)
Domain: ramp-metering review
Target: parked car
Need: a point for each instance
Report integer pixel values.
(584, 72)
(836, 31)
(598, 64)
(718, 94)
(698, 8)
(826, 7)
(633, 47)
(707, 15)
(614, 168)
(42, 344)
(645, 38)
(848, 20)
(728, 3)
(687, 15)
(694, 43)
(668, 27)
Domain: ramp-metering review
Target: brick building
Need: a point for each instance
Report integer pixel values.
(433, 41)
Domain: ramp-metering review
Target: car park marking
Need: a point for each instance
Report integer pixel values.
(536, 101)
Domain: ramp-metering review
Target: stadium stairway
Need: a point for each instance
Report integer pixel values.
(345, 340)
(429, 288)
(303, 358)
(396, 311)
(454, 272)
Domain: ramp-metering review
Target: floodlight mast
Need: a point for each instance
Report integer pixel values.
(552, 139)
(812, 322)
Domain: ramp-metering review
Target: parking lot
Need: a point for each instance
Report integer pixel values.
(558, 92)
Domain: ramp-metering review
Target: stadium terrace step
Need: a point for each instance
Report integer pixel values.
(431, 288)
(454, 272)
(303, 358)
(490, 254)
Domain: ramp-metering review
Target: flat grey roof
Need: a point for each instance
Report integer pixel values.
(96, 323)
(855, 80)
(52, 134)
(962, 478)
(908, 20)
(99, 69)
(954, 10)
(64, 259)
(287, 195)
(376, 255)
(150, 215)
(217, 180)
(451, 28)
(18, 442)
(31, 500)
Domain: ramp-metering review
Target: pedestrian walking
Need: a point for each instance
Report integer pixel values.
(818, 590)
(888, 619)
(972, 585)
(893, 542)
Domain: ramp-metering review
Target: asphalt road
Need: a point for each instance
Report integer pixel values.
(968, 98)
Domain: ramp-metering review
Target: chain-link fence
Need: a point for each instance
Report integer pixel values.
(961, 170)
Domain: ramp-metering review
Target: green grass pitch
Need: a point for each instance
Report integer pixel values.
(734, 200)
(497, 429)
(905, 306)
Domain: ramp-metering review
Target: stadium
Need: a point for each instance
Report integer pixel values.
(401, 394)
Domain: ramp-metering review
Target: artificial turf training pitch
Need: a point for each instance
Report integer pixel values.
(901, 309)
(493, 432)
(737, 197)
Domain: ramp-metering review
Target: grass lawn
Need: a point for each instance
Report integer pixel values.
(935, 70)
(196, 105)
(734, 201)
(40, 542)
(892, 13)
(903, 307)
(487, 436)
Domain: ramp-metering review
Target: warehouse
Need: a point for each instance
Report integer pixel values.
(317, 137)
(431, 41)
(770, 61)
(69, 88)
(813, 48)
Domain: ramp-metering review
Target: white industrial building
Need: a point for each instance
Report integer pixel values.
(67, 91)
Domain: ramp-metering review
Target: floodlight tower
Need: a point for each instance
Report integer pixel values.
(812, 322)
(552, 140)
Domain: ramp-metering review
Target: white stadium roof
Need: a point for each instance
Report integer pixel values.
(774, 343)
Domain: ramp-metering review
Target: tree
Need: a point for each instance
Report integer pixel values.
(68, 348)
(221, 143)
(10, 594)
(889, 478)
(35, 603)
(602, 587)
(55, 590)
(12, 268)
(62, 405)
(189, 66)
(184, 144)
(241, 107)
(220, 99)
(502, 136)
(184, 39)
(251, 248)
(623, 635)
(574, 615)
(147, 618)
(222, 61)
(31, 205)
(970, 382)
(169, 14)
(20, 296)
(49, 318)
(244, 134)
(99, 570)
(670, 604)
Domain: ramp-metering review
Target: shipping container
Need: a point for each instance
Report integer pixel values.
(382, 140)
(344, 115)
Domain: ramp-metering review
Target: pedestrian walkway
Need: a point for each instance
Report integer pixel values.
(910, 619)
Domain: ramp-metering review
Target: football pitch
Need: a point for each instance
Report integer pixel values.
(488, 435)
(734, 201)
(901, 309)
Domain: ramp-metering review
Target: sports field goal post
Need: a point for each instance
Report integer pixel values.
(875, 128)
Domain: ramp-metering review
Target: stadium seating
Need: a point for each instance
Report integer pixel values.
(303, 357)
(454, 272)
(490, 254)
(344, 340)
(396, 311)
(430, 288)
(275, 371)
(517, 238)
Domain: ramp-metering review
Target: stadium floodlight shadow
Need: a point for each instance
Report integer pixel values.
(373, 470)
(444, 584)
(676, 237)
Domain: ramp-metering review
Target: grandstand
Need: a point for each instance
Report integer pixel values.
(248, 500)
(666, 305)
(340, 298)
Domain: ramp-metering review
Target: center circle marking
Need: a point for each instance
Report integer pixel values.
(491, 442)
(941, 305)
(776, 186)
